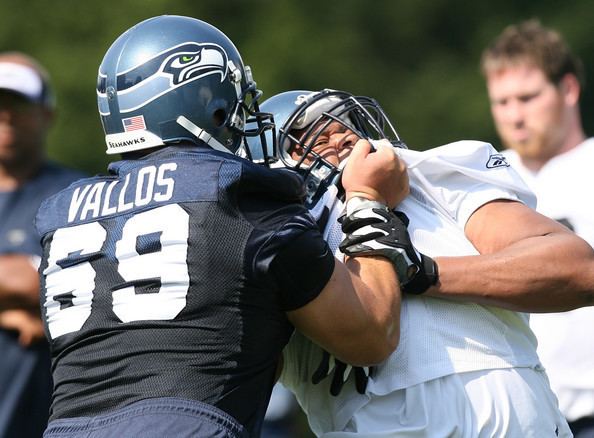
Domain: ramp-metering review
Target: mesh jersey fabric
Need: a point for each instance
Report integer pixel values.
(163, 279)
(438, 337)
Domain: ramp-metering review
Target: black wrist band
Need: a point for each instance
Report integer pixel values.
(424, 279)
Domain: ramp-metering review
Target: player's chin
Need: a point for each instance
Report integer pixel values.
(7, 139)
(7, 152)
(521, 145)
(13, 158)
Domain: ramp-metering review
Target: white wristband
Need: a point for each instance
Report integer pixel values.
(357, 203)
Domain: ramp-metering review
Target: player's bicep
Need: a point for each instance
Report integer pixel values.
(354, 320)
(501, 223)
(327, 318)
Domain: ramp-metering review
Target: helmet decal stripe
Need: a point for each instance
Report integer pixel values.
(167, 71)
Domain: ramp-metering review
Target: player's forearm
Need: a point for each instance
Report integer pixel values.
(381, 298)
(19, 283)
(549, 273)
(356, 317)
(27, 324)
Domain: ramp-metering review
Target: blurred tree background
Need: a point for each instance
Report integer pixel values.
(419, 59)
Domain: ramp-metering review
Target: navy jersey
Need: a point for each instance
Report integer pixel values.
(18, 208)
(171, 277)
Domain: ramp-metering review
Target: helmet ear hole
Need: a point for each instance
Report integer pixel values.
(219, 117)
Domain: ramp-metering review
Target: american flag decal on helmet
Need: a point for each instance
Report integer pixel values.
(134, 123)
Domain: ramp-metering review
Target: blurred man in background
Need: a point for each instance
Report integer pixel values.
(534, 84)
(26, 178)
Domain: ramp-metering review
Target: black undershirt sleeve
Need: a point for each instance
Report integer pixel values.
(302, 268)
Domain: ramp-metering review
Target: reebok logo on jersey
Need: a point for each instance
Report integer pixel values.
(497, 160)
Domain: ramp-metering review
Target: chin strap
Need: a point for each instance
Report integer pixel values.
(201, 134)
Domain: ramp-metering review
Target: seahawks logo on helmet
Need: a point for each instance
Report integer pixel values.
(163, 73)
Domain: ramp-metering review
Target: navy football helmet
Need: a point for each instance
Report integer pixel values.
(170, 79)
(302, 116)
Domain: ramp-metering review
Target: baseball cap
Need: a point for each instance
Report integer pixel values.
(26, 81)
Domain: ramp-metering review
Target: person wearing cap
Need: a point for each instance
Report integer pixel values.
(26, 178)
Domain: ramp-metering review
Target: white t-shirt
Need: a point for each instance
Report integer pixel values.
(438, 337)
(564, 187)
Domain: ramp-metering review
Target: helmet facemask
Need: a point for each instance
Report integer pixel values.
(301, 134)
(257, 125)
(243, 120)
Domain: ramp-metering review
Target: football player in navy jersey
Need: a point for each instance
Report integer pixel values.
(171, 285)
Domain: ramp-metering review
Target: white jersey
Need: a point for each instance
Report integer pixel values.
(566, 340)
(439, 337)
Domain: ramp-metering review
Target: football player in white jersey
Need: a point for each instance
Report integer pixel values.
(466, 364)
(534, 85)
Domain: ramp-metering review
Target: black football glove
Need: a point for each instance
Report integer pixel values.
(340, 374)
(373, 229)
